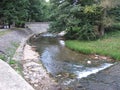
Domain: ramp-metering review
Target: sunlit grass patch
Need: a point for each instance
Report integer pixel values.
(108, 46)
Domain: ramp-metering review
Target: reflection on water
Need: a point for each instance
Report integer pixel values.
(64, 63)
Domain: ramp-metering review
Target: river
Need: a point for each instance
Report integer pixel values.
(65, 65)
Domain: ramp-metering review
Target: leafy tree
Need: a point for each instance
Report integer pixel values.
(19, 12)
(107, 19)
(81, 19)
(38, 10)
(46, 10)
(34, 11)
(78, 19)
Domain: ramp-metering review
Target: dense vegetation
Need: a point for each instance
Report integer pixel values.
(97, 20)
(21, 11)
(84, 19)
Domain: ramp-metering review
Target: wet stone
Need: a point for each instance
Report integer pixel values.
(36, 85)
(35, 74)
(79, 86)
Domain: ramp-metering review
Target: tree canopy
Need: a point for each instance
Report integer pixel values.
(82, 19)
(19, 12)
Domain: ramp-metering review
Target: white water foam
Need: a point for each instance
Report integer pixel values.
(48, 35)
(62, 42)
(90, 71)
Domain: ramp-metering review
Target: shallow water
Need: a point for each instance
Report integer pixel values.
(64, 64)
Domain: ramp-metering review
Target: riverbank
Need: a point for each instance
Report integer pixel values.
(8, 45)
(107, 46)
(34, 72)
(39, 78)
(32, 68)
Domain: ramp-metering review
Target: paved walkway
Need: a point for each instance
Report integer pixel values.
(38, 27)
(14, 36)
(9, 78)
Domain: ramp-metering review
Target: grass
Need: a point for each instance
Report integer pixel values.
(2, 57)
(109, 45)
(12, 62)
(4, 32)
(10, 52)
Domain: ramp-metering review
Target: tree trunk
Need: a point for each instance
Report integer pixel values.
(101, 30)
(102, 24)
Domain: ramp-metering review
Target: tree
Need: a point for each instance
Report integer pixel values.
(107, 20)
(81, 19)
(77, 18)
(14, 11)
(19, 12)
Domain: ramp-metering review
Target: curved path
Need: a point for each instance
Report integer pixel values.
(9, 78)
(13, 36)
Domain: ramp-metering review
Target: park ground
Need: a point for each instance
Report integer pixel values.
(108, 79)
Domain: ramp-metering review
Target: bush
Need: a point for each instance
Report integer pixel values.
(77, 20)
(2, 57)
(85, 32)
(20, 24)
(116, 26)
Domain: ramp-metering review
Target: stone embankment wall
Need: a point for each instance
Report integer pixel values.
(33, 71)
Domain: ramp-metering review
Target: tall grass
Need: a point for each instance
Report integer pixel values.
(109, 45)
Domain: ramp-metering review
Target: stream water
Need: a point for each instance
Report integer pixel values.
(65, 65)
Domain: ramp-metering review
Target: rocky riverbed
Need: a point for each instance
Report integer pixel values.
(34, 72)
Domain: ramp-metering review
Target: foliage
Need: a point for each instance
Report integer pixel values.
(8, 58)
(14, 11)
(2, 57)
(80, 18)
(77, 20)
(115, 12)
(109, 45)
(12, 62)
(19, 12)
(46, 11)
(11, 50)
